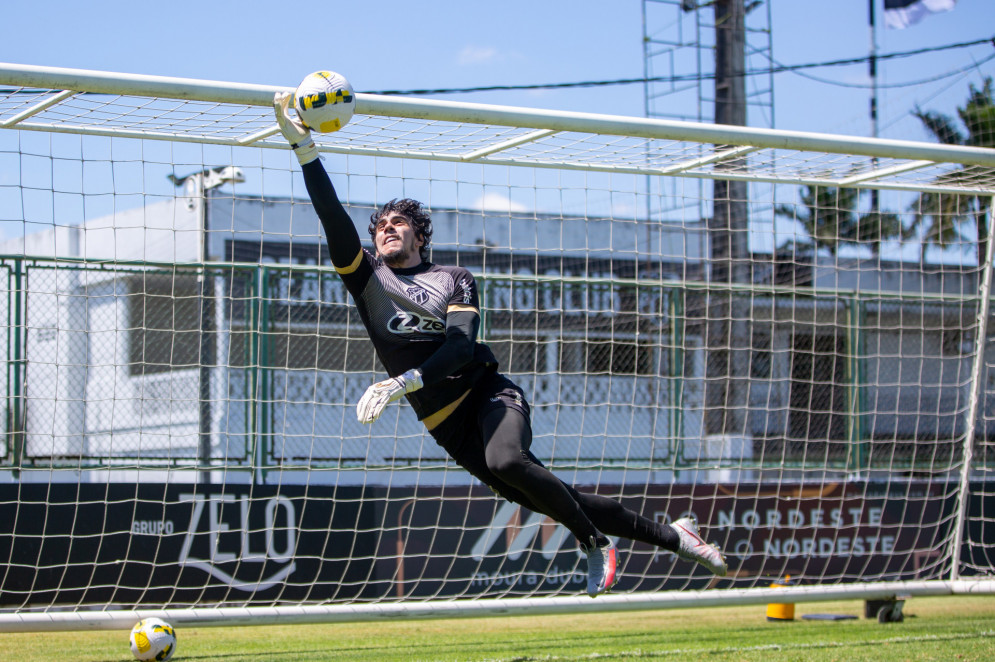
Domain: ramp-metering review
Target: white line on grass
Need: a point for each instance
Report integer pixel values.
(749, 649)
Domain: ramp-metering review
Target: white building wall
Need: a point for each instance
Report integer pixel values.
(56, 352)
(83, 399)
(148, 416)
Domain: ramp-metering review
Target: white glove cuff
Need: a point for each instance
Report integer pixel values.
(306, 151)
(412, 380)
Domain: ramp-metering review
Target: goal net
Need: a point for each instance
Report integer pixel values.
(802, 359)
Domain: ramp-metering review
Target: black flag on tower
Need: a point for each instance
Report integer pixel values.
(900, 14)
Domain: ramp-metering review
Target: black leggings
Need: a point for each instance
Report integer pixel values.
(494, 445)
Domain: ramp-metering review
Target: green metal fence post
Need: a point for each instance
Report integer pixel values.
(261, 336)
(675, 304)
(17, 367)
(252, 375)
(858, 455)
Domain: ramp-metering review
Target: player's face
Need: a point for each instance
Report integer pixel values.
(397, 242)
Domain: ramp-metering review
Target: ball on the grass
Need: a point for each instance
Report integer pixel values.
(325, 101)
(153, 639)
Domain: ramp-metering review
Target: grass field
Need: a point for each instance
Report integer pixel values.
(949, 628)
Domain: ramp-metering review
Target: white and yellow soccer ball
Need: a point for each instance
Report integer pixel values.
(153, 639)
(325, 101)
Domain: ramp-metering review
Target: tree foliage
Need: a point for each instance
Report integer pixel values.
(831, 218)
(940, 216)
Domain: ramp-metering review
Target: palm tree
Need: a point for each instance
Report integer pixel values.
(941, 215)
(831, 219)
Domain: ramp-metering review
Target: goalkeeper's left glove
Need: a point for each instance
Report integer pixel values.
(298, 135)
(381, 394)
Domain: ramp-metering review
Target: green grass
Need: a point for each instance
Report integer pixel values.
(949, 629)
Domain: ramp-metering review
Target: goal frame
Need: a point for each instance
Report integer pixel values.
(65, 83)
(121, 619)
(722, 145)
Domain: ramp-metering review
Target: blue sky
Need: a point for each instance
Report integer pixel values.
(402, 45)
(398, 44)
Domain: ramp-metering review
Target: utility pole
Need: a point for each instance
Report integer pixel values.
(873, 72)
(727, 327)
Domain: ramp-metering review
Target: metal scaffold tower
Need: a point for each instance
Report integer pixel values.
(686, 68)
(679, 39)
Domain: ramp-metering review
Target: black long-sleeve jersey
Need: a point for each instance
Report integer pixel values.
(423, 317)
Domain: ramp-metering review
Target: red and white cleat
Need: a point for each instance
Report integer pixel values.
(602, 567)
(693, 548)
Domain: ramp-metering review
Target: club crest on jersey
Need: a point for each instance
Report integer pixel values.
(418, 295)
(404, 322)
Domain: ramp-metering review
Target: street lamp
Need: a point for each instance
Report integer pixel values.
(197, 188)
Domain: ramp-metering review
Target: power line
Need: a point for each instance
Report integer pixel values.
(779, 68)
(912, 83)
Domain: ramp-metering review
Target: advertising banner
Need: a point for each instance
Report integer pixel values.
(827, 534)
(184, 545)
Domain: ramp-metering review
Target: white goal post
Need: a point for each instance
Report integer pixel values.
(806, 368)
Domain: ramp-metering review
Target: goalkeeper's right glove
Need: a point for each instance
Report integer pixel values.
(381, 394)
(298, 135)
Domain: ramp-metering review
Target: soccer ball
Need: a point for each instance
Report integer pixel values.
(153, 639)
(325, 101)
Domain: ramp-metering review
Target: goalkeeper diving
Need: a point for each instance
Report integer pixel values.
(423, 320)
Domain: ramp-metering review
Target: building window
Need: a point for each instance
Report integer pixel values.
(307, 350)
(522, 355)
(606, 356)
(761, 357)
(165, 314)
(954, 342)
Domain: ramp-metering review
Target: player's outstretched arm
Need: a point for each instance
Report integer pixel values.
(298, 135)
(462, 325)
(344, 246)
(453, 354)
(461, 336)
(381, 394)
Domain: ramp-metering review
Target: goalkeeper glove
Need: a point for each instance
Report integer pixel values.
(381, 394)
(298, 135)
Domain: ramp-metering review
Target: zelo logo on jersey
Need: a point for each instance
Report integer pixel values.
(404, 323)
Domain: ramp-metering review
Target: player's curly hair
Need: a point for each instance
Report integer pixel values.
(415, 212)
